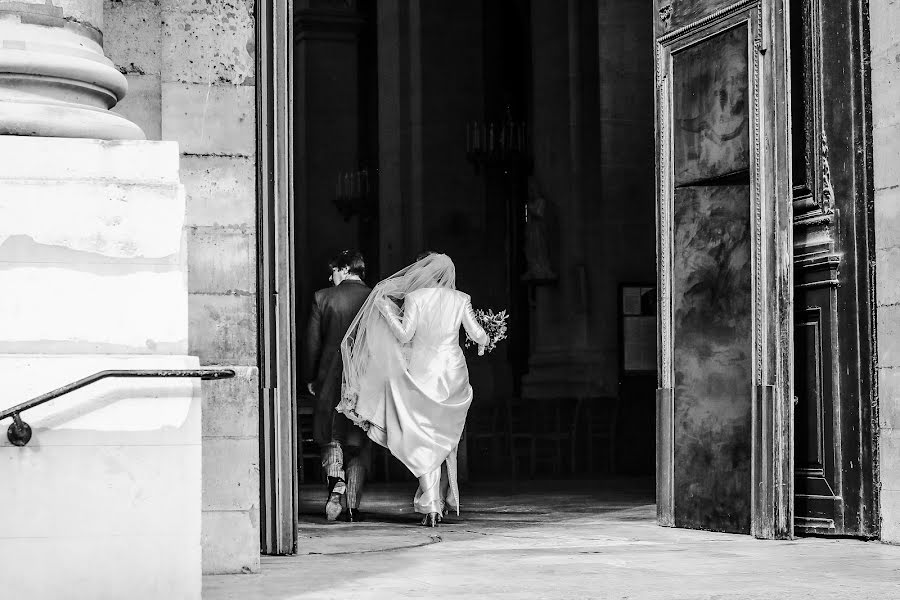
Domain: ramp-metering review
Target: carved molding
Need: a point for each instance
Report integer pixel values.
(665, 15)
(818, 271)
(814, 203)
(827, 196)
(720, 14)
(665, 406)
(757, 187)
(664, 229)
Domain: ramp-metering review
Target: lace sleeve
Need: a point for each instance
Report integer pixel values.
(403, 327)
(472, 327)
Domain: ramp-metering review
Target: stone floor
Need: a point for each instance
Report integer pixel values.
(554, 540)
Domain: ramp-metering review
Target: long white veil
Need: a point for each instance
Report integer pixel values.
(371, 353)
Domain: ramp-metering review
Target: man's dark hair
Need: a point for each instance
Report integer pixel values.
(352, 261)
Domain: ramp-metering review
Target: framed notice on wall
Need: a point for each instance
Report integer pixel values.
(637, 327)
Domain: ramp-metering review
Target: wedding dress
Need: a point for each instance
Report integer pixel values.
(405, 376)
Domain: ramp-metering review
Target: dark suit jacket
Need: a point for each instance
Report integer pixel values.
(333, 310)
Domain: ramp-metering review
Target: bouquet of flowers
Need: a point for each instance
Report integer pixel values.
(494, 325)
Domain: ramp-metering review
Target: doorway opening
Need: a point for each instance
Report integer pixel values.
(517, 138)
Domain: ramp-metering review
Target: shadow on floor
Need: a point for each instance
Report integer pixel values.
(588, 539)
(502, 501)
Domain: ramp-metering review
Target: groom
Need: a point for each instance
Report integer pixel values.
(345, 447)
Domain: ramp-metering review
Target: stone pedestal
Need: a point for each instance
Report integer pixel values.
(54, 79)
(566, 373)
(105, 501)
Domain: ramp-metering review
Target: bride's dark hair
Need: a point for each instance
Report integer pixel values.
(425, 254)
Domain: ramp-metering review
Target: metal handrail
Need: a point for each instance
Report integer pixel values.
(19, 433)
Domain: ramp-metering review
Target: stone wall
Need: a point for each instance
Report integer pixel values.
(191, 67)
(885, 60)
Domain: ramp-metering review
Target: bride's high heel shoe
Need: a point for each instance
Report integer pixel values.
(432, 519)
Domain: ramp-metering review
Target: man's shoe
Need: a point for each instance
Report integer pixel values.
(336, 489)
(351, 515)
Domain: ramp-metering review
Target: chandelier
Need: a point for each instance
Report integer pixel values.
(356, 193)
(501, 143)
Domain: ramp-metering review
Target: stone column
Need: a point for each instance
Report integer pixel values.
(326, 133)
(54, 78)
(400, 142)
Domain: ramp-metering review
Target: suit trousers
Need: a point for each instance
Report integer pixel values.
(347, 457)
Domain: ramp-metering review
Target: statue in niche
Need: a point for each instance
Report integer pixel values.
(537, 254)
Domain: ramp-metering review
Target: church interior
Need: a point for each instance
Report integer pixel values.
(495, 132)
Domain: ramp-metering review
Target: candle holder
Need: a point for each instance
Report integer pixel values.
(502, 144)
(355, 194)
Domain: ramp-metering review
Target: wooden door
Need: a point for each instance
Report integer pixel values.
(724, 267)
(832, 240)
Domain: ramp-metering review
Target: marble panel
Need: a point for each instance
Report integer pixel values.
(711, 111)
(712, 338)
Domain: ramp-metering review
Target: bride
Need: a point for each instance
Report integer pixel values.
(405, 378)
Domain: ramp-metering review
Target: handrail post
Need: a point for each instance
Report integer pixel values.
(19, 432)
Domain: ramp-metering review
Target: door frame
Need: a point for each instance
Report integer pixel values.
(772, 457)
(275, 277)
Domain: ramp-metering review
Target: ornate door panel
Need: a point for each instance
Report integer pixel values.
(724, 267)
(833, 345)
